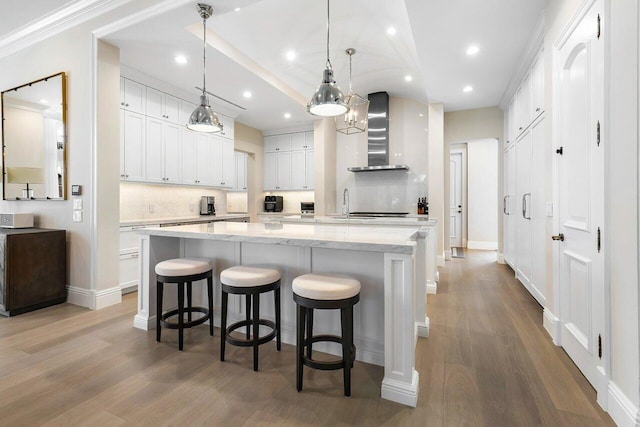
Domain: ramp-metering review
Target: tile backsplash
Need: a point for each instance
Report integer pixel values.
(148, 201)
(237, 201)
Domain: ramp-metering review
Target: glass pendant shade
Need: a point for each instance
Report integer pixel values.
(203, 119)
(328, 100)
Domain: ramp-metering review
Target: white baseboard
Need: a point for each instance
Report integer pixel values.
(501, 258)
(485, 246)
(423, 328)
(79, 296)
(622, 410)
(432, 287)
(92, 299)
(437, 276)
(400, 392)
(552, 325)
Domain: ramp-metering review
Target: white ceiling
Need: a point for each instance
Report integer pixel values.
(18, 14)
(430, 45)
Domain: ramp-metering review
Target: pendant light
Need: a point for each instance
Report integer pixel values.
(355, 120)
(203, 119)
(328, 100)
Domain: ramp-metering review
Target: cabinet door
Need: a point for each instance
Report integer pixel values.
(537, 86)
(134, 146)
(203, 159)
(308, 140)
(154, 151)
(270, 171)
(298, 141)
(134, 96)
(283, 142)
(186, 108)
(270, 144)
(284, 170)
(298, 169)
(227, 126)
(309, 170)
(215, 165)
(508, 208)
(188, 157)
(122, 92)
(538, 211)
(154, 103)
(228, 163)
(122, 113)
(171, 138)
(523, 210)
(511, 121)
(241, 172)
(171, 109)
(524, 104)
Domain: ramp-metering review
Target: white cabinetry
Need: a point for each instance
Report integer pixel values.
(132, 95)
(163, 106)
(132, 146)
(163, 152)
(240, 181)
(288, 162)
(524, 209)
(227, 126)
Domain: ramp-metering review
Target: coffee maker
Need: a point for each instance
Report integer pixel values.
(207, 205)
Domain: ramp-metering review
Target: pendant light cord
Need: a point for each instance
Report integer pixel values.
(328, 18)
(204, 58)
(350, 69)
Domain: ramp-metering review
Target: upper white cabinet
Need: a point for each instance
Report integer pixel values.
(162, 106)
(537, 86)
(156, 146)
(240, 181)
(132, 95)
(528, 102)
(288, 161)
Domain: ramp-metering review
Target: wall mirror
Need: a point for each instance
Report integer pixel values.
(33, 140)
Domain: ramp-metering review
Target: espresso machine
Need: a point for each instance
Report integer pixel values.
(207, 205)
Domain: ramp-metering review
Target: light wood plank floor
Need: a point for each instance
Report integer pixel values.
(488, 362)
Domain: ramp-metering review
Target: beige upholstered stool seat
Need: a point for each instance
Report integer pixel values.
(325, 287)
(182, 267)
(249, 276)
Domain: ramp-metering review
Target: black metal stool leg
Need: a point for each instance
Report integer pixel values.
(248, 313)
(300, 320)
(347, 342)
(309, 330)
(189, 295)
(256, 329)
(180, 315)
(223, 324)
(210, 297)
(159, 292)
(277, 305)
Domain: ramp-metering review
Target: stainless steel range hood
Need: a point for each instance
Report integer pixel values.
(378, 136)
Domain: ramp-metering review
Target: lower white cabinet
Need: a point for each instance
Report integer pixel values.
(129, 254)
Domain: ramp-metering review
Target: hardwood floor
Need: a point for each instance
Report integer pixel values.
(488, 361)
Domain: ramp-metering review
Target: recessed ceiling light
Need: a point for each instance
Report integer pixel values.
(391, 31)
(247, 94)
(291, 55)
(44, 101)
(237, 9)
(180, 59)
(408, 78)
(287, 115)
(467, 89)
(472, 50)
(421, 115)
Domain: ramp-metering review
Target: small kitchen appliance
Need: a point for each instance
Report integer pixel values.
(207, 205)
(307, 208)
(273, 203)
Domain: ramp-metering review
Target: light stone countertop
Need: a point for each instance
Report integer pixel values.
(415, 221)
(200, 218)
(380, 239)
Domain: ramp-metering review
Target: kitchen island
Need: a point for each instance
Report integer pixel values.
(387, 320)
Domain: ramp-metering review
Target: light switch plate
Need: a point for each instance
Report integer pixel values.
(549, 209)
(77, 204)
(77, 216)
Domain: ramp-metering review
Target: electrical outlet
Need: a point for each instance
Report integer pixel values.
(77, 216)
(77, 204)
(152, 208)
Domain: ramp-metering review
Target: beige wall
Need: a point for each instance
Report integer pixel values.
(436, 177)
(465, 126)
(482, 193)
(250, 140)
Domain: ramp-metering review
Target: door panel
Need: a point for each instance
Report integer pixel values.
(523, 207)
(455, 199)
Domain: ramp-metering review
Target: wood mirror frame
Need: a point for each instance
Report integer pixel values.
(34, 119)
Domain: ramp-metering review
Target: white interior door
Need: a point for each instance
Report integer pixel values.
(456, 170)
(579, 62)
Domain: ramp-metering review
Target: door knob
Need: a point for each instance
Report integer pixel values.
(558, 237)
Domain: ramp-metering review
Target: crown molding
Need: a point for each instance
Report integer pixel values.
(55, 22)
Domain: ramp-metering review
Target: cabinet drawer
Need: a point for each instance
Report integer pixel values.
(129, 272)
(129, 239)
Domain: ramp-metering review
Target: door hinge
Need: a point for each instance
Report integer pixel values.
(599, 240)
(598, 133)
(598, 26)
(599, 346)
(560, 151)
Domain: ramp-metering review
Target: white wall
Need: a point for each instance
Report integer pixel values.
(482, 194)
(392, 191)
(324, 166)
(437, 177)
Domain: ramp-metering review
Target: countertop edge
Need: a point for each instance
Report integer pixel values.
(153, 221)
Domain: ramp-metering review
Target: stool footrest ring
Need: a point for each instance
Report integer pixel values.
(164, 317)
(243, 342)
(328, 365)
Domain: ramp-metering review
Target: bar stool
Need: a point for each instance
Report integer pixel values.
(324, 292)
(183, 272)
(250, 282)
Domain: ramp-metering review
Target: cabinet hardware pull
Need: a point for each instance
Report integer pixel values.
(559, 237)
(126, 105)
(524, 205)
(504, 205)
(560, 151)
(538, 110)
(520, 128)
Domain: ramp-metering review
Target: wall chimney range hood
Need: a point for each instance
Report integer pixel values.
(378, 136)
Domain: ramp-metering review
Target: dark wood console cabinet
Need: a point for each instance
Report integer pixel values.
(33, 269)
